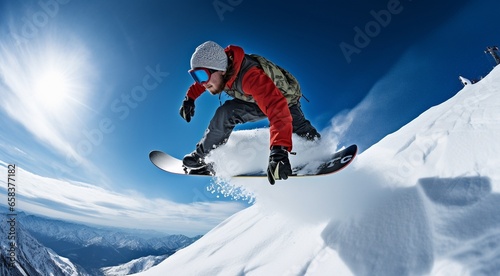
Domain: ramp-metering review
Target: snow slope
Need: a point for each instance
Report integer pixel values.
(424, 200)
(134, 266)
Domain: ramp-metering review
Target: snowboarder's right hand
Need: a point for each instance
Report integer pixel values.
(187, 109)
(279, 165)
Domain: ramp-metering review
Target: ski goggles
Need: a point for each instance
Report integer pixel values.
(201, 75)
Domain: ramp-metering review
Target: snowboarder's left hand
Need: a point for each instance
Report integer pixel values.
(279, 165)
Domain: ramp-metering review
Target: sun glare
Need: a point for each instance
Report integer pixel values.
(52, 89)
(58, 77)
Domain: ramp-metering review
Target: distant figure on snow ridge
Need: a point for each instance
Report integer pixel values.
(260, 89)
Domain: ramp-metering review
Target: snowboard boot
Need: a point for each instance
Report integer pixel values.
(195, 164)
(193, 161)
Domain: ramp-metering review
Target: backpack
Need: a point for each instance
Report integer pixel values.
(284, 81)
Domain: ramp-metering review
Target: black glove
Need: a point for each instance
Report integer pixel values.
(279, 165)
(187, 109)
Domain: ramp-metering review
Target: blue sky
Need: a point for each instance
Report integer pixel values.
(124, 66)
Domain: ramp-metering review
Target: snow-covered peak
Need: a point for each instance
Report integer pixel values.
(31, 257)
(424, 200)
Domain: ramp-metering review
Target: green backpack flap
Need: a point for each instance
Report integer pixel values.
(286, 82)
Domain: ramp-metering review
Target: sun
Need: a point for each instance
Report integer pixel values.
(58, 79)
(52, 88)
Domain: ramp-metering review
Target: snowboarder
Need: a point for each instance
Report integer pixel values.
(259, 89)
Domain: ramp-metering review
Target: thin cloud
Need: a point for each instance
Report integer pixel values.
(77, 201)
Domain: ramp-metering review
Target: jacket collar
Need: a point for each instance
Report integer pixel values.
(235, 55)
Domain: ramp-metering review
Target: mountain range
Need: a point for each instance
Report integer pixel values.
(43, 241)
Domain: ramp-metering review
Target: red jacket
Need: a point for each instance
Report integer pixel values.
(265, 93)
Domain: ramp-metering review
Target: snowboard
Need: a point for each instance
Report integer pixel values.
(335, 163)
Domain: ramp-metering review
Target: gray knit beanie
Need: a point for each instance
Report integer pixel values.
(209, 55)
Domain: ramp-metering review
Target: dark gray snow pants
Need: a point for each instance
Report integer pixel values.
(234, 112)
